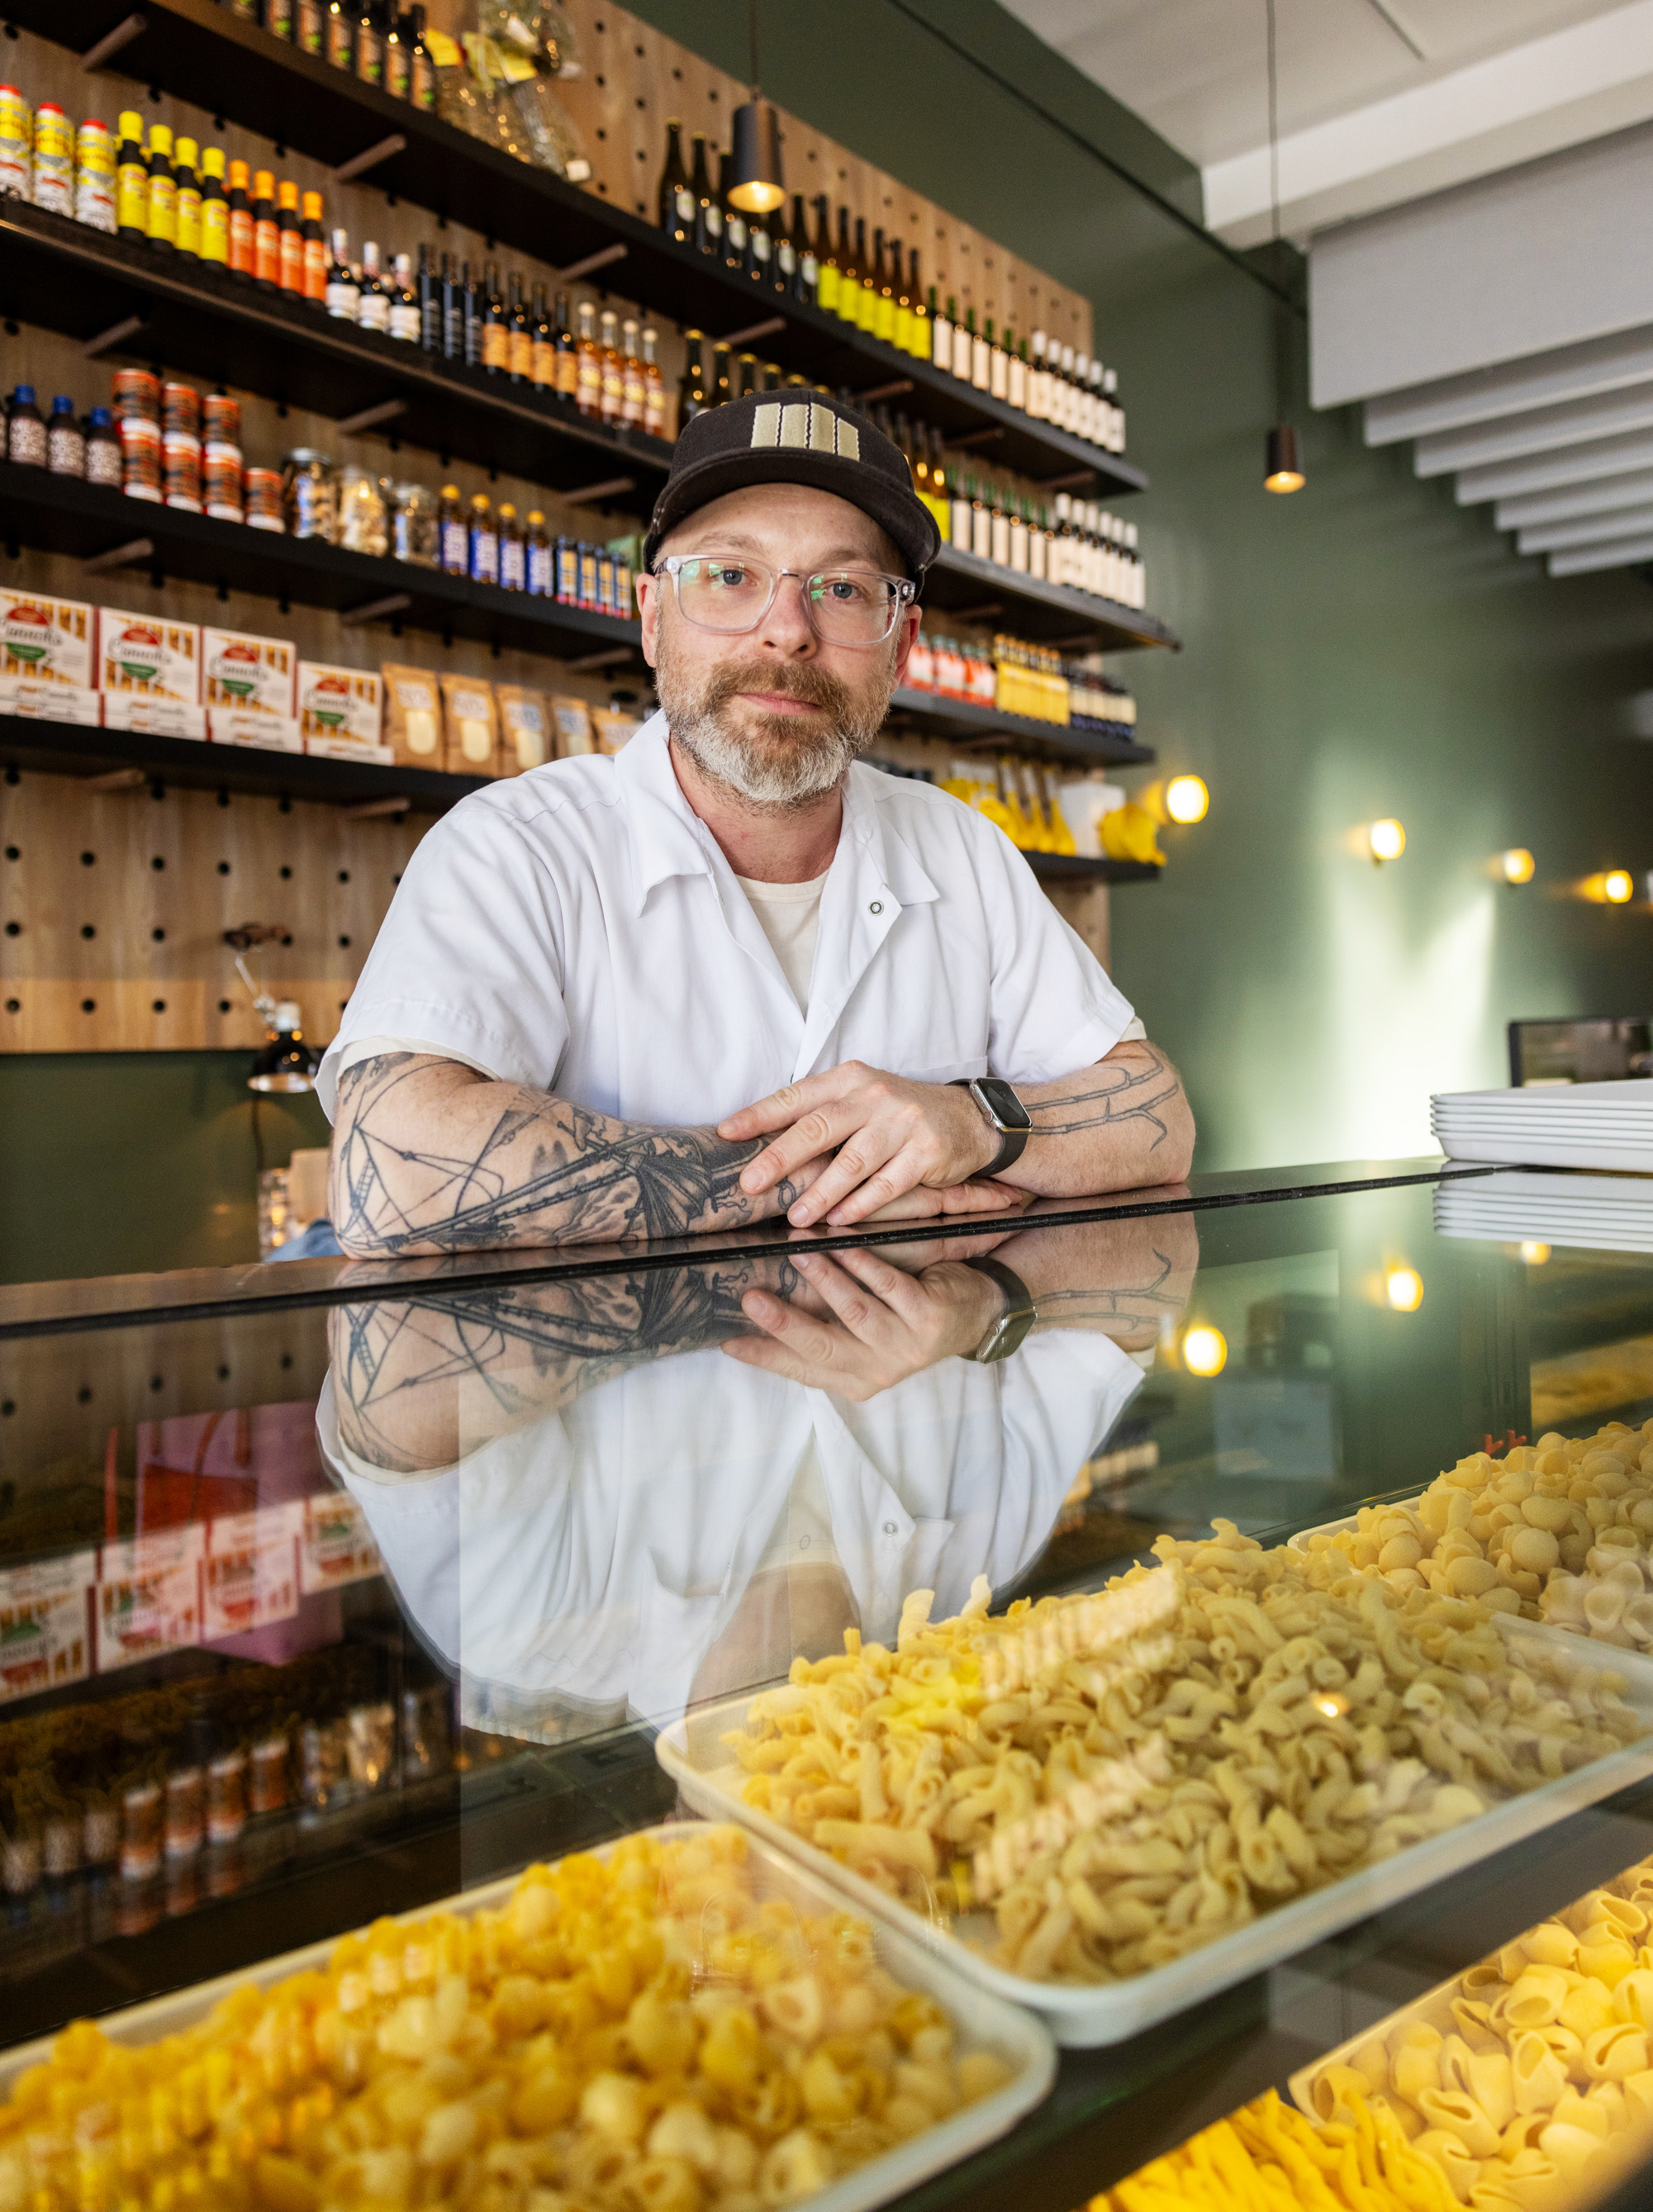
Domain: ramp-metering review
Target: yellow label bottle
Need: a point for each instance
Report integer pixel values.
(214, 208)
(131, 178)
(163, 188)
(189, 198)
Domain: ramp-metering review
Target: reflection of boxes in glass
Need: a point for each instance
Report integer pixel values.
(48, 640)
(254, 675)
(147, 657)
(240, 726)
(337, 703)
(32, 701)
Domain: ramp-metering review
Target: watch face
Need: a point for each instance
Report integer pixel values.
(1007, 1109)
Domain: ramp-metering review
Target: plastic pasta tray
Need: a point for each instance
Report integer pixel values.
(1082, 2016)
(981, 2020)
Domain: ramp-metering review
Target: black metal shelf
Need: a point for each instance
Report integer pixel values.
(65, 749)
(973, 590)
(61, 514)
(204, 54)
(968, 724)
(1073, 868)
(200, 322)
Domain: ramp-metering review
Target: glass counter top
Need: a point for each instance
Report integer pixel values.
(409, 1570)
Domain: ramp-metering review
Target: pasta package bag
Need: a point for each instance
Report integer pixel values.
(47, 639)
(615, 730)
(146, 657)
(413, 715)
(339, 703)
(574, 734)
(472, 726)
(527, 730)
(247, 675)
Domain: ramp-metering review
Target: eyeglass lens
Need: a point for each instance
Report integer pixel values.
(847, 606)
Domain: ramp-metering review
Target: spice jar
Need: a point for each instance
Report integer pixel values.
(264, 501)
(309, 499)
(414, 524)
(140, 458)
(227, 1797)
(221, 480)
(103, 463)
(186, 1812)
(140, 1831)
(180, 458)
(180, 408)
(268, 1791)
(361, 525)
(137, 392)
(65, 441)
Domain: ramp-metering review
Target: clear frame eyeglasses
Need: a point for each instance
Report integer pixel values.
(731, 592)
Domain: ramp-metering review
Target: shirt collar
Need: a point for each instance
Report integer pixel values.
(668, 838)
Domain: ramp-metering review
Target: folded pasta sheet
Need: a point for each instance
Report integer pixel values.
(1527, 2081)
(1125, 1778)
(642, 2031)
(1560, 1531)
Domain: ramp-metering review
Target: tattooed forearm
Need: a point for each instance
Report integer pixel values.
(420, 1383)
(1125, 1093)
(428, 1157)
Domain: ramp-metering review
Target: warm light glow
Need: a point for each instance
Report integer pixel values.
(1186, 798)
(1519, 865)
(1285, 480)
(1404, 1287)
(1387, 838)
(1331, 1703)
(1617, 886)
(1534, 1253)
(1205, 1350)
(759, 198)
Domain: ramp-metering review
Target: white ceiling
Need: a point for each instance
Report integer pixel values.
(1379, 100)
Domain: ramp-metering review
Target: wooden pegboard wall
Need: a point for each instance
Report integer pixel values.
(115, 903)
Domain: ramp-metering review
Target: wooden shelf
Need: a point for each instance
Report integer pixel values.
(204, 54)
(1071, 868)
(968, 724)
(61, 514)
(972, 590)
(202, 323)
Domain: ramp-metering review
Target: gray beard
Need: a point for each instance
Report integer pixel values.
(779, 765)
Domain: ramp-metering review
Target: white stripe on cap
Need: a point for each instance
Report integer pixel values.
(822, 424)
(795, 425)
(805, 423)
(766, 426)
(849, 441)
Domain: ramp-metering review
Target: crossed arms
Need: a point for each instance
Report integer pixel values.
(429, 1156)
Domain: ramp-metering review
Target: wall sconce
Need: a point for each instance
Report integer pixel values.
(1204, 1350)
(1386, 840)
(1183, 799)
(1517, 865)
(1282, 469)
(1612, 887)
(1534, 1253)
(1404, 1289)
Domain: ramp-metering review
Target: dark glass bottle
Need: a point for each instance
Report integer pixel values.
(421, 69)
(453, 311)
(723, 388)
(369, 43)
(734, 222)
(430, 303)
(675, 208)
(708, 210)
(567, 351)
(474, 301)
(519, 335)
(692, 397)
(496, 326)
(849, 272)
(790, 240)
(542, 344)
(826, 260)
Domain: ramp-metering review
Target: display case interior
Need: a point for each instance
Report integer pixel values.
(338, 1591)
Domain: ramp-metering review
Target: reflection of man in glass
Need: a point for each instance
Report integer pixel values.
(610, 1498)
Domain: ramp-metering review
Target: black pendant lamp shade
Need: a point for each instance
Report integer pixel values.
(755, 162)
(1285, 470)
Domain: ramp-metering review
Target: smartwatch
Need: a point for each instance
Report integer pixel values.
(1012, 1325)
(1002, 1110)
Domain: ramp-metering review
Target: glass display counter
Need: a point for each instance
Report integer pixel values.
(329, 1591)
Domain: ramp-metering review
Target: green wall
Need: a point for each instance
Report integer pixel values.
(118, 1161)
(1361, 648)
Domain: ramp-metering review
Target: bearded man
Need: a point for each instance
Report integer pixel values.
(731, 973)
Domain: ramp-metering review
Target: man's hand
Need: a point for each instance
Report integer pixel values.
(883, 1326)
(889, 1137)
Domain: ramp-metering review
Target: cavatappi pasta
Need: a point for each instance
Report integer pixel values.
(1559, 1531)
(1532, 2085)
(1229, 1736)
(1266, 2157)
(642, 2032)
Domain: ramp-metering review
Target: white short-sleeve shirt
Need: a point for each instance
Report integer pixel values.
(579, 930)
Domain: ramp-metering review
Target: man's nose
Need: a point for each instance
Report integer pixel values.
(786, 627)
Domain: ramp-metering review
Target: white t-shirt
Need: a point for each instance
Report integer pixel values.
(578, 929)
(790, 917)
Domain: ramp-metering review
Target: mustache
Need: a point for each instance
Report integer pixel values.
(791, 679)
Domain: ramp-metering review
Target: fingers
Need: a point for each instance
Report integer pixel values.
(865, 1291)
(843, 1202)
(824, 1129)
(783, 1107)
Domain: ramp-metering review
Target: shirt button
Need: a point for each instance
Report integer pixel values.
(877, 906)
(888, 1528)
(803, 1543)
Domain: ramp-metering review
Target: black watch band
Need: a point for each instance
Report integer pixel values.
(1020, 1312)
(1002, 1110)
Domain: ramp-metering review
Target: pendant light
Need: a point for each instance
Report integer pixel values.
(1283, 469)
(757, 186)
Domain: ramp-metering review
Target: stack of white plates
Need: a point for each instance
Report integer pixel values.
(1595, 1213)
(1576, 1125)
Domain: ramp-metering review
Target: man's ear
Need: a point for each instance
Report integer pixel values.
(649, 595)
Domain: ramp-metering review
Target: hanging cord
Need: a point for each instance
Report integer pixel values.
(751, 40)
(1274, 133)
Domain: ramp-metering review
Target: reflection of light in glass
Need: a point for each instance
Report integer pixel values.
(1330, 1703)
(1205, 1350)
(1387, 838)
(1616, 886)
(1405, 1289)
(1533, 1252)
(1186, 798)
(1518, 865)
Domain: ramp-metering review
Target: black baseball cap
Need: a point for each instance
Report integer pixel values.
(795, 436)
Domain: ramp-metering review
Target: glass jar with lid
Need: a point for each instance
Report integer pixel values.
(414, 524)
(308, 494)
(360, 524)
